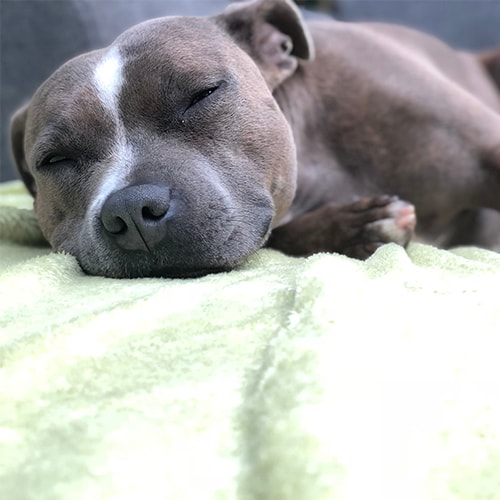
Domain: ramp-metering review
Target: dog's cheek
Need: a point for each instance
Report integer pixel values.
(58, 215)
(283, 193)
(49, 217)
(266, 137)
(284, 176)
(272, 147)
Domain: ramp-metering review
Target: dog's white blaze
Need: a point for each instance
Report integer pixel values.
(108, 81)
(109, 184)
(115, 177)
(108, 78)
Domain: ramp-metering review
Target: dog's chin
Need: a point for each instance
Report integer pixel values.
(128, 271)
(183, 273)
(179, 258)
(132, 265)
(138, 268)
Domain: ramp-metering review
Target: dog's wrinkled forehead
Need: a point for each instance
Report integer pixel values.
(176, 44)
(167, 53)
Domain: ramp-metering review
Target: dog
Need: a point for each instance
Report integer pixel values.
(190, 143)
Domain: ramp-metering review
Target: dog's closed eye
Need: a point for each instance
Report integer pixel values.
(202, 95)
(55, 159)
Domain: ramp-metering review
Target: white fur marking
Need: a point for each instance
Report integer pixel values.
(115, 177)
(108, 81)
(108, 78)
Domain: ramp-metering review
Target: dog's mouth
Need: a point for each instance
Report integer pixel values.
(187, 273)
(182, 246)
(134, 265)
(168, 272)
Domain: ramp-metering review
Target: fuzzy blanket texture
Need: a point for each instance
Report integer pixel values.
(307, 379)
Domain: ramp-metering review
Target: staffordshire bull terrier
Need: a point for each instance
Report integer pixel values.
(190, 143)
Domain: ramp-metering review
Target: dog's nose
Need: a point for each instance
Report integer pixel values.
(136, 217)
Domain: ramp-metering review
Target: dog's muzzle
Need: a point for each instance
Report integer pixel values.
(148, 230)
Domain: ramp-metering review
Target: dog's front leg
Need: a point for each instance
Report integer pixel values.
(356, 229)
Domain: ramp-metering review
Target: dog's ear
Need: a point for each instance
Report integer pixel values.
(17, 128)
(272, 32)
(491, 61)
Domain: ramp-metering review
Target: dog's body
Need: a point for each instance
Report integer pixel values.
(174, 153)
(400, 113)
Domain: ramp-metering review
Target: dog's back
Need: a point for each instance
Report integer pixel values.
(394, 111)
(465, 69)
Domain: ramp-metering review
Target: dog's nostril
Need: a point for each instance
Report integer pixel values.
(115, 225)
(154, 213)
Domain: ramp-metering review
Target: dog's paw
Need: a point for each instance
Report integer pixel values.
(379, 220)
(355, 230)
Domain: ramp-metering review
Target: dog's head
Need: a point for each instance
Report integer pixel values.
(166, 154)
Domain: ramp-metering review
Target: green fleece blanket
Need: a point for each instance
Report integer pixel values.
(319, 378)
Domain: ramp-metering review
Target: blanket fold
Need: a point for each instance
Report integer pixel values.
(289, 378)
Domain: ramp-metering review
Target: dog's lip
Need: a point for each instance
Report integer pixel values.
(136, 264)
(188, 272)
(166, 272)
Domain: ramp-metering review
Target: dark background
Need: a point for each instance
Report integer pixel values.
(37, 36)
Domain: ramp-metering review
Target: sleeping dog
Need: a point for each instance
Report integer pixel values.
(190, 143)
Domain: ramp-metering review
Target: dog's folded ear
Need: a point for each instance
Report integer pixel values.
(17, 128)
(272, 32)
(491, 61)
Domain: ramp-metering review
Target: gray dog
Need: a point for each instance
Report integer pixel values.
(190, 143)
